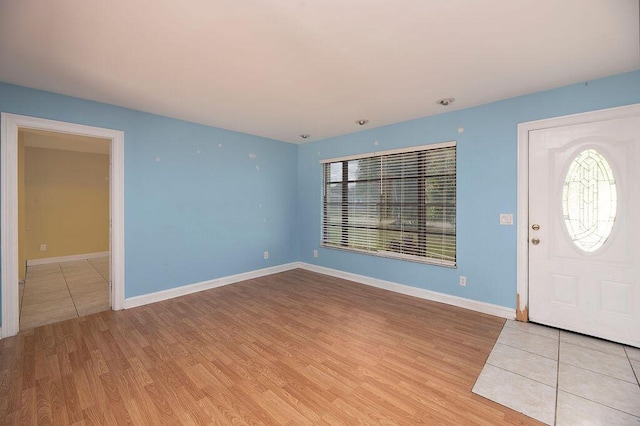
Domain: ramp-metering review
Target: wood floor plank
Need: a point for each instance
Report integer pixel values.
(29, 408)
(235, 408)
(71, 398)
(43, 402)
(290, 348)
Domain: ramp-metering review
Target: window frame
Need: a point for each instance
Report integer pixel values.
(422, 230)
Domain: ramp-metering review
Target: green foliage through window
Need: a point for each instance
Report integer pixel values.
(399, 204)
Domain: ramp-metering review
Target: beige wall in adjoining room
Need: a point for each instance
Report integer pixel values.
(22, 218)
(66, 202)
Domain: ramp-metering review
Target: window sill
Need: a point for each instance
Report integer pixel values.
(393, 255)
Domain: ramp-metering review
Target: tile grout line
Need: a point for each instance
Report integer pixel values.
(571, 343)
(555, 413)
(600, 403)
(100, 273)
(518, 374)
(521, 330)
(524, 350)
(560, 342)
(521, 350)
(602, 374)
(108, 280)
(96, 269)
(92, 269)
(595, 372)
(24, 290)
(633, 370)
(580, 347)
(513, 372)
(69, 290)
(597, 350)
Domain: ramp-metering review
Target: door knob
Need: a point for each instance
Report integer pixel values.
(535, 241)
(535, 227)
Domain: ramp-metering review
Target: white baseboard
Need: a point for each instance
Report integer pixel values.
(158, 296)
(70, 258)
(474, 305)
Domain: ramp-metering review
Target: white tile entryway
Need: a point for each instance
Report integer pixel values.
(60, 291)
(562, 378)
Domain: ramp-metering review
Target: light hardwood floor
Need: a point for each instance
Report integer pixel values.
(292, 348)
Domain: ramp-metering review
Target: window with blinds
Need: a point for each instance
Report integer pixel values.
(399, 203)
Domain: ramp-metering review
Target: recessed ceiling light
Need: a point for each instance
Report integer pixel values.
(362, 122)
(305, 136)
(445, 101)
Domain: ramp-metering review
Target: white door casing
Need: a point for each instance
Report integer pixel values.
(11, 123)
(586, 288)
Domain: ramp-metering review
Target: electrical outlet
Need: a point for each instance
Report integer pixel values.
(315, 253)
(266, 254)
(463, 280)
(43, 247)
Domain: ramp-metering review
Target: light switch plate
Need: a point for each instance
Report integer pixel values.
(506, 219)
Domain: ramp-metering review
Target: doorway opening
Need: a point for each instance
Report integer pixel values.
(113, 268)
(63, 226)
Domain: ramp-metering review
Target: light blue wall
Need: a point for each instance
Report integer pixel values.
(189, 216)
(487, 167)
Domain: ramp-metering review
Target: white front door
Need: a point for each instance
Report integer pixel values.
(584, 231)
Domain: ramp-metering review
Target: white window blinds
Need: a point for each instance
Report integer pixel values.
(395, 204)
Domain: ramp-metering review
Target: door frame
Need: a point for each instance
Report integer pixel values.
(11, 123)
(522, 248)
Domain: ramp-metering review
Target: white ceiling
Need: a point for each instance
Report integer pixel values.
(280, 68)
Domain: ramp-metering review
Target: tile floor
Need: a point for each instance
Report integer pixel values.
(562, 378)
(59, 291)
